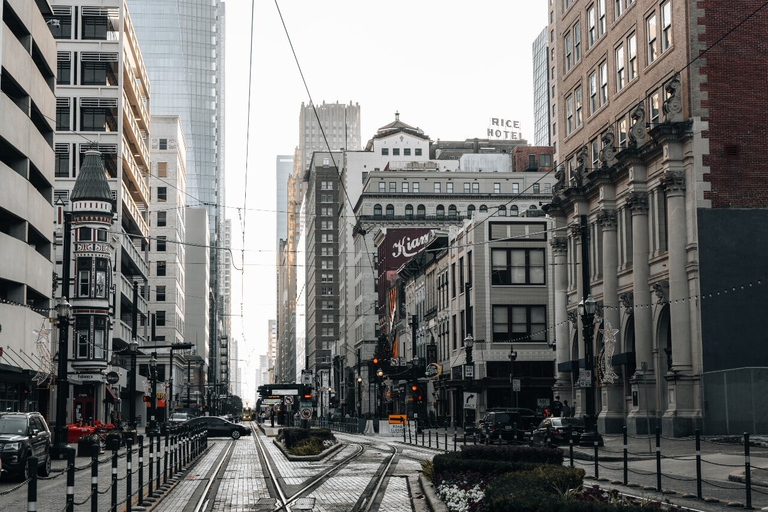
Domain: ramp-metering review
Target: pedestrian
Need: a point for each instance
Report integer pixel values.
(557, 407)
(567, 412)
(272, 417)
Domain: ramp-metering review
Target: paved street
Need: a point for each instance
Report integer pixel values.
(231, 475)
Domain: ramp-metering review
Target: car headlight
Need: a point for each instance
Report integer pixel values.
(11, 447)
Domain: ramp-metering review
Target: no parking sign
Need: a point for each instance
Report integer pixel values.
(306, 413)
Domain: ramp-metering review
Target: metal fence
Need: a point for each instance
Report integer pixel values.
(734, 401)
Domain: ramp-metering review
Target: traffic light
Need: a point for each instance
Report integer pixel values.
(306, 393)
(375, 360)
(145, 399)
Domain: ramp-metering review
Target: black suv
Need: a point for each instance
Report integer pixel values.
(498, 424)
(22, 435)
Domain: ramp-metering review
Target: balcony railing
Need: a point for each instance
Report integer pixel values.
(134, 254)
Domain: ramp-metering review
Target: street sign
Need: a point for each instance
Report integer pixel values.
(469, 371)
(515, 384)
(113, 377)
(306, 413)
(288, 400)
(585, 379)
(432, 371)
(470, 400)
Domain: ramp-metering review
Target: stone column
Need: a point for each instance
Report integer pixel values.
(574, 231)
(679, 418)
(611, 419)
(562, 338)
(643, 380)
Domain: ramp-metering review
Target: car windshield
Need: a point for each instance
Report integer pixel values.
(10, 425)
(178, 416)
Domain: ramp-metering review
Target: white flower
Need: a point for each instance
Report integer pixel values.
(457, 499)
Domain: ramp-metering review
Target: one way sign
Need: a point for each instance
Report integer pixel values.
(470, 400)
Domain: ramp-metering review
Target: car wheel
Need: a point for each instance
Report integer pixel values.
(235, 434)
(24, 473)
(45, 469)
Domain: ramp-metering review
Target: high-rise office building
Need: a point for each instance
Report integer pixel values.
(541, 91)
(183, 46)
(102, 103)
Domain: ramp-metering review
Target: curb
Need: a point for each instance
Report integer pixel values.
(308, 458)
(434, 503)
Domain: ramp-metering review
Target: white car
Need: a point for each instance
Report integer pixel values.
(178, 417)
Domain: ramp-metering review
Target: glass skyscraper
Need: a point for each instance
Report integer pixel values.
(182, 42)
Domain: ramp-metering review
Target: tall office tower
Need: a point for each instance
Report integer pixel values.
(283, 170)
(102, 103)
(541, 92)
(327, 125)
(334, 123)
(183, 46)
(27, 177)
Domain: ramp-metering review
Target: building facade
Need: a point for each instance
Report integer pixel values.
(102, 103)
(27, 108)
(541, 90)
(653, 167)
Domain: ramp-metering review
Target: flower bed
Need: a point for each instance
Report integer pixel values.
(491, 479)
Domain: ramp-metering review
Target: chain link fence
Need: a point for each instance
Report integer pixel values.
(734, 401)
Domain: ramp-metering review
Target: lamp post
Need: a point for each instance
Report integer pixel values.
(469, 368)
(63, 311)
(380, 375)
(587, 309)
(359, 397)
(512, 358)
(153, 378)
(134, 345)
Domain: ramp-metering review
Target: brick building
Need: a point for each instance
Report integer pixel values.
(654, 133)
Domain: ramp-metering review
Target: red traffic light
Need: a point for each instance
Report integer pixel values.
(375, 360)
(145, 399)
(414, 387)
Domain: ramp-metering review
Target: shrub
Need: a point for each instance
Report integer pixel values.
(428, 468)
(292, 436)
(535, 454)
(447, 464)
(309, 446)
(534, 490)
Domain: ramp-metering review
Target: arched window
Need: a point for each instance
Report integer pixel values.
(409, 210)
(421, 211)
(390, 210)
(513, 211)
(483, 208)
(377, 210)
(440, 210)
(452, 211)
(502, 211)
(471, 211)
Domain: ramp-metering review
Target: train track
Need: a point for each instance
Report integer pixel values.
(369, 498)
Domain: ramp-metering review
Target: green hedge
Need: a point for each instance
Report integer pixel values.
(541, 489)
(534, 454)
(291, 436)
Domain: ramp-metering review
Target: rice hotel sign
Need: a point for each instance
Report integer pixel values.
(504, 129)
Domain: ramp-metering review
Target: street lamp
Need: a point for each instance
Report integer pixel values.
(512, 358)
(153, 378)
(587, 308)
(63, 311)
(359, 397)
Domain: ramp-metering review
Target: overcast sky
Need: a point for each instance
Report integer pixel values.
(447, 67)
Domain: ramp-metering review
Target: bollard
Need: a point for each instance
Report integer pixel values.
(70, 480)
(151, 465)
(597, 467)
(94, 478)
(32, 489)
(410, 436)
(165, 457)
(747, 471)
(157, 463)
(658, 459)
(404, 427)
(570, 446)
(141, 470)
(129, 473)
(698, 464)
(446, 437)
(174, 454)
(430, 439)
(114, 481)
(624, 430)
(422, 434)
(454, 439)
(514, 433)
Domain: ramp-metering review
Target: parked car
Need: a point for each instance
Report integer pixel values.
(179, 417)
(559, 429)
(22, 435)
(498, 424)
(218, 427)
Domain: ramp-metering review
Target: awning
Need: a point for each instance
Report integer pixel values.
(111, 397)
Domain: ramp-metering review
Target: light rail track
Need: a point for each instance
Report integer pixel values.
(370, 497)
